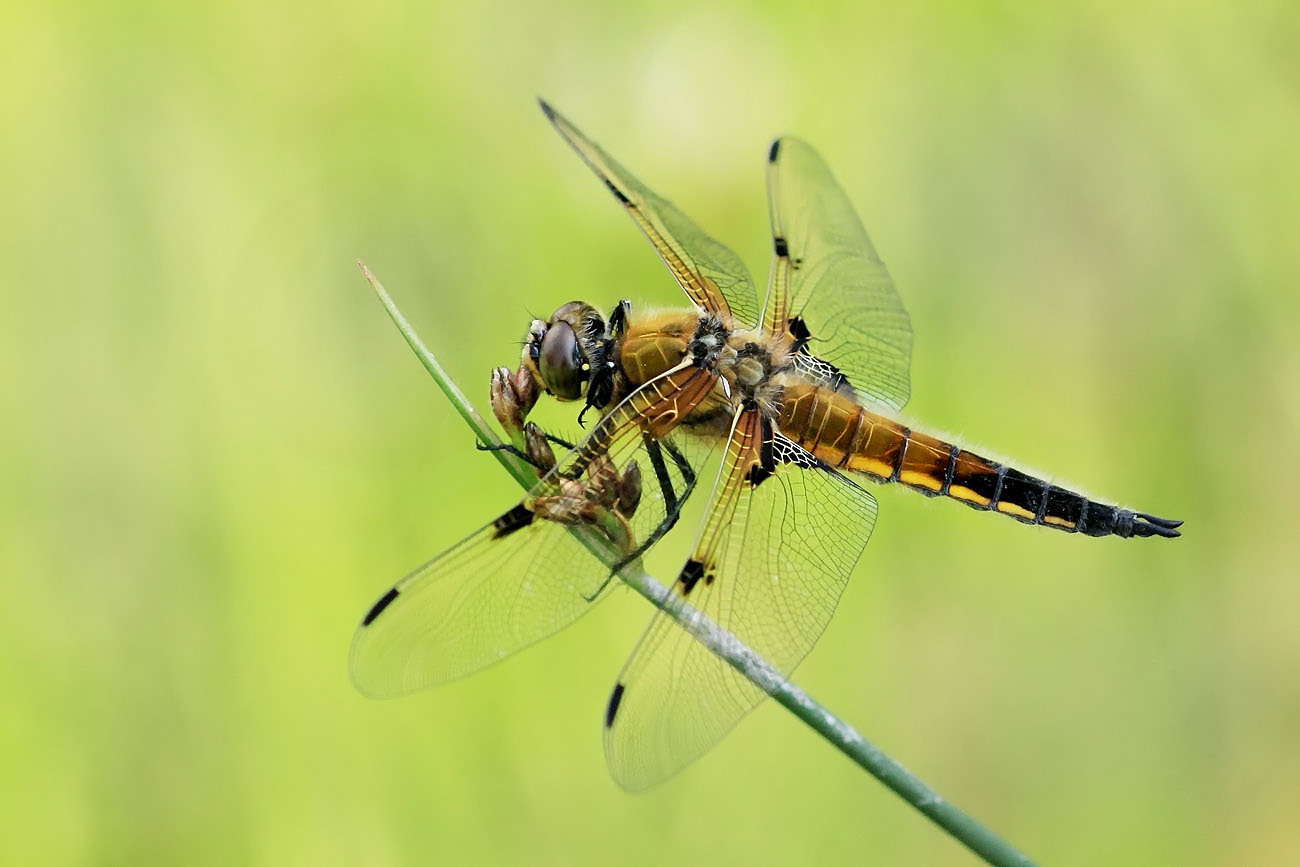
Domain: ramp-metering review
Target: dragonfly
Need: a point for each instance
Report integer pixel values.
(781, 412)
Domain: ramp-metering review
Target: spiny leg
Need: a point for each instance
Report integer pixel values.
(618, 318)
(536, 452)
(562, 443)
(672, 500)
(683, 466)
(661, 474)
(510, 449)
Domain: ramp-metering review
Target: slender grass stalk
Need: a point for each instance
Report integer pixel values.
(970, 833)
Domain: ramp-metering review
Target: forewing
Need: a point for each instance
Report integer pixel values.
(527, 574)
(712, 275)
(828, 283)
(780, 538)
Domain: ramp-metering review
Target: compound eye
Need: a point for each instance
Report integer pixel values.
(560, 363)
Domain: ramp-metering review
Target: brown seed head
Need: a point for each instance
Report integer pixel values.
(629, 490)
(538, 449)
(505, 402)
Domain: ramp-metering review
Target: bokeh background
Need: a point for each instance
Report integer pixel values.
(215, 450)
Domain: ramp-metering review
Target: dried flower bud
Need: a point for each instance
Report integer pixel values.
(629, 490)
(603, 485)
(525, 390)
(538, 449)
(505, 402)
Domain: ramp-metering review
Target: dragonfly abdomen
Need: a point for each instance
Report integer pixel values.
(850, 437)
(946, 469)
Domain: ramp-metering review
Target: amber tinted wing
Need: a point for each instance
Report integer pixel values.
(828, 285)
(778, 543)
(711, 275)
(526, 575)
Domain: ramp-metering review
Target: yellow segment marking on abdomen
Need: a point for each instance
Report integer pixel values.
(861, 464)
(1012, 509)
(959, 492)
(920, 480)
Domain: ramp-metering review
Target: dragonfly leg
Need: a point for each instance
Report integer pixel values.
(536, 451)
(672, 500)
(595, 594)
(600, 385)
(683, 465)
(618, 318)
(562, 443)
(507, 447)
(661, 475)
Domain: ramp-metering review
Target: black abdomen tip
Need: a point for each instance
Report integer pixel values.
(1099, 520)
(1126, 525)
(1150, 525)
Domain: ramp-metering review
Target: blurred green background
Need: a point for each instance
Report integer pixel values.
(217, 451)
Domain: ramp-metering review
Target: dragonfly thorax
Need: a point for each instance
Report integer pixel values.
(753, 367)
(749, 364)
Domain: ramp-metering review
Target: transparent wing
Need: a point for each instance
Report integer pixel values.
(526, 575)
(779, 541)
(711, 275)
(828, 287)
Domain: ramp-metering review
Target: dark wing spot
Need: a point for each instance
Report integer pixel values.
(378, 607)
(799, 331)
(615, 698)
(780, 246)
(692, 572)
(515, 519)
(618, 194)
(838, 380)
(771, 154)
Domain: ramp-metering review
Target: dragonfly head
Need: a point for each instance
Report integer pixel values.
(566, 351)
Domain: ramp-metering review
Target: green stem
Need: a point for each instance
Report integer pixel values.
(731, 649)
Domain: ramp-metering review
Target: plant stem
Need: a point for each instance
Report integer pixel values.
(731, 649)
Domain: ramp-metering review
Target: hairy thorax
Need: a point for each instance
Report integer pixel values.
(751, 366)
